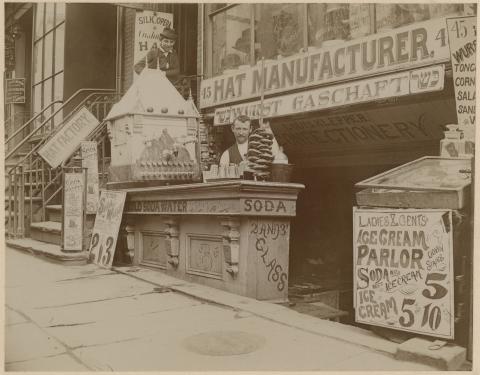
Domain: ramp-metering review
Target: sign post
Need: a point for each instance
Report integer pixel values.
(73, 211)
(105, 229)
(403, 270)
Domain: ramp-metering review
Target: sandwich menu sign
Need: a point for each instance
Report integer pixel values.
(403, 270)
(415, 45)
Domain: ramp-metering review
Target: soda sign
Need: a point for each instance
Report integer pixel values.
(403, 270)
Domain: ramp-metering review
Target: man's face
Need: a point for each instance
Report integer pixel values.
(241, 131)
(167, 44)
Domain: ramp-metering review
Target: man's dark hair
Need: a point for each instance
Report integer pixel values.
(241, 118)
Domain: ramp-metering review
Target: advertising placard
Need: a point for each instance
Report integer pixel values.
(412, 46)
(90, 161)
(148, 26)
(393, 85)
(462, 36)
(73, 211)
(15, 88)
(403, 270)
(68, 138)
(106, 226)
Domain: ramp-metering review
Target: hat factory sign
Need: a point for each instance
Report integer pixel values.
(378, 88)
(148, 28)
(412, 46)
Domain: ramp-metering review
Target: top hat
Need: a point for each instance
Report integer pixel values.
(168, 33)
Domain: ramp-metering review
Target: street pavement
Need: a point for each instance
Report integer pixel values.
(85, 318)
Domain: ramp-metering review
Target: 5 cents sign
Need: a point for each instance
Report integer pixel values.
(403, 270)
(105, 229)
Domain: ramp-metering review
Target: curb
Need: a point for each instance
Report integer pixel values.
(68, 259)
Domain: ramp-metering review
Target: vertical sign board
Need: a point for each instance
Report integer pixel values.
(15, 88)
(462, 36)
(148, 26)
(67, 139)
(403, 270)
(90, 161)
(105, 228)
(73, 211)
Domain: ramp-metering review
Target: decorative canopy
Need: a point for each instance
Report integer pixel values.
(153, 94)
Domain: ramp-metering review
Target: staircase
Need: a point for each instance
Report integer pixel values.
(33, 190)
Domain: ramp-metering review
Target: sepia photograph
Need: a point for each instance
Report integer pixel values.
(251, 186)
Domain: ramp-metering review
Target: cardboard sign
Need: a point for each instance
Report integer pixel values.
(15, 91)
(412, 46)
(68, 138)
(462, 36)
(90, 161)
(394, 85)
(403, 270)
(105, 229)
(148, 26)
(74, 193)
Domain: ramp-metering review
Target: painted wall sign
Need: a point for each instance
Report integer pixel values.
(462, 36)
(247, 206)
(68, 138)
(394, 85)
(403, 270)
(74, 193)
(105, 229)
(411, 46)
(148, 26)
(15, 91)
(90, 161)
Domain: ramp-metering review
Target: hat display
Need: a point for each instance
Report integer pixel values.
(169, 33)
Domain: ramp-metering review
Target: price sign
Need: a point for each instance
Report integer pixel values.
(403, 270)
(105, 229)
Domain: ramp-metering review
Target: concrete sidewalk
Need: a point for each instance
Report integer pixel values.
(81, 318)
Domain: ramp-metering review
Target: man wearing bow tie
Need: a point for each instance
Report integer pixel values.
(163, 57)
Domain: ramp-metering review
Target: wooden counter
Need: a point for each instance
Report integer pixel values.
(231, 235)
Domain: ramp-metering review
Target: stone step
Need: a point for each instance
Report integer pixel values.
(54, 213)
(47, 231)
(48, 251)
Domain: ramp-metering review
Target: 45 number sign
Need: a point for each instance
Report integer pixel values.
(105, 229)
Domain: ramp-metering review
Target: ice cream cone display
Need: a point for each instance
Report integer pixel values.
(260, 154)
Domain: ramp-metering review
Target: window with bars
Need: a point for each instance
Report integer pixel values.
(48, 59)
(239, 35)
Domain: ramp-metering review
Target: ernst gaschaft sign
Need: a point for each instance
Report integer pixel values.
(409, 47)
(68, 137)
(403, 270)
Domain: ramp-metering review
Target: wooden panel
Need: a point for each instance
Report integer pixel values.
(204, 256)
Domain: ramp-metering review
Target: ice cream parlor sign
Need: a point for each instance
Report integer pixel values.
(403, 270)
(412, 46)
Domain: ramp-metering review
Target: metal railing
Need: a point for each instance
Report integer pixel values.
(31, 178)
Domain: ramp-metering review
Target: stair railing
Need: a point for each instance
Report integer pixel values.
(33, 165)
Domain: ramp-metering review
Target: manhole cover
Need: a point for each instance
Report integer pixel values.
(224, 343)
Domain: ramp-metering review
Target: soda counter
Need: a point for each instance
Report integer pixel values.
(231, 235)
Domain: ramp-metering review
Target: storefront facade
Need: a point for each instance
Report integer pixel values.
(350, 91)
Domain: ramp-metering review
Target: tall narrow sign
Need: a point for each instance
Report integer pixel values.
(462, 36)
(403, 270)
(74, 193)
(105, 229)
(90, 162)
(148, 26)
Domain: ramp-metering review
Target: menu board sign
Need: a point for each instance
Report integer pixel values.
(403, 270)
(462, 36)
(105, 229)
(73, 211)
(90, 161)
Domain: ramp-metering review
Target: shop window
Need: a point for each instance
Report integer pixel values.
(278, 30)
(48, 50)
(231, 39)
(442, 10)
(391, 16)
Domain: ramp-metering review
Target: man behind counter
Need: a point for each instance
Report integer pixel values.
(238, 151)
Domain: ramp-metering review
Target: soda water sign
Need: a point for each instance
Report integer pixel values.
(403, 270)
